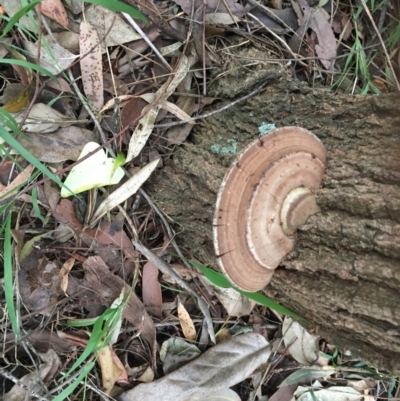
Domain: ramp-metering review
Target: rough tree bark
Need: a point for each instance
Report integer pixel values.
(344, 274)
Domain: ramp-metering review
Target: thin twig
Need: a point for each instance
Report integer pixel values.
(137, 28)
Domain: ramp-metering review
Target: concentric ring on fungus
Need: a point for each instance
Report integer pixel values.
(266, 194)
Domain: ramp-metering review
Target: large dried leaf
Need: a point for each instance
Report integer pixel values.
(302, 345)
(55, 10)
(98, 170)
(43, 119)
(54, 59)
(326, 47)
(100, 238)
(110, 371)
(177, 352)
(151, 290)
(221, 367)
(103, 19)
(146, 124)
(126, 190)
(64, 144)
(337, 393)
(108, 286)
(91, 65)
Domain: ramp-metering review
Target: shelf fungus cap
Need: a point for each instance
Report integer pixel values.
(266, 194)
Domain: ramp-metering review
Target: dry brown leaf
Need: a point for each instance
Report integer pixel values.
(65, 269)
(151, 290)
(91, 65)
(19, 180)
(96, 238)
(188, 329)
(64, 144)
(146, 123)
(58, 60)
(110, 372)
(109, 286)
(55, 10)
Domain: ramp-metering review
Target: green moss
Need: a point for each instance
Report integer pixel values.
(224, 150)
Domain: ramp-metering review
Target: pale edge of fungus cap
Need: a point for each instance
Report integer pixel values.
(266, 194)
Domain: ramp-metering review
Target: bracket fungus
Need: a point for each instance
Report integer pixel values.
(266, 194)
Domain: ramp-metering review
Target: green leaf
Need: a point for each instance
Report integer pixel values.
(221, 281)
(118, 6)
(8, 277)
(66, 392)
(36, 205)
(27, 64)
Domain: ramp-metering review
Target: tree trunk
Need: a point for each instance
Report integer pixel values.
(344, 274)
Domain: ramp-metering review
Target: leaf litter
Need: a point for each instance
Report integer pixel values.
(73, 268)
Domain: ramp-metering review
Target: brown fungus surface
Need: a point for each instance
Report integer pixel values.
(266, 194)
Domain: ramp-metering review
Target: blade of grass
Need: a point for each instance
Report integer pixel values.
(36, 205)
(26, 155)
(27, 64)
(221, 281)
(8, 278)
(118, 6)
(17, 16)
(66, 392)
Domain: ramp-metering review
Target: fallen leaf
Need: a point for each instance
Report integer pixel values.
(43, 119)
(122, 193)
(91, 65)
(97, 238)
(234, 303)
(64, 144)
(58, 60)
(337, 393)
(22, 177)
(110, 25)
(302, 345)
(146, 124)
(55, 10)
(220, 18)
(151, 290)
(96, 171)
(186, 322)
(64, 273)
(110, 372)
(177, 352)
(220, 367)
(109, 287)
(18, 103)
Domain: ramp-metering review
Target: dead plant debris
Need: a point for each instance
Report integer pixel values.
(81, 306)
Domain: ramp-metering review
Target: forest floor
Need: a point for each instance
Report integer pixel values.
(98, 301)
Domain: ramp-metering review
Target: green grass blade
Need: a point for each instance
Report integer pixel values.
(221, 281)
(95, 342)
(66, 392)
(8, 277)
(27, 64)
(16, 17)
(26, 155)
(118, 6)
(35, 205)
